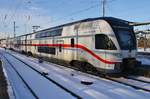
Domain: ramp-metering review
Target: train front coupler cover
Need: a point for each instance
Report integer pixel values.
(130, 64)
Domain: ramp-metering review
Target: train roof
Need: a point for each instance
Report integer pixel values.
(110, 20)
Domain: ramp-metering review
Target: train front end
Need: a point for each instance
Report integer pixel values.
(127, 42)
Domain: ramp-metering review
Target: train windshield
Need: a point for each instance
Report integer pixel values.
(124, 33)
(126, 38)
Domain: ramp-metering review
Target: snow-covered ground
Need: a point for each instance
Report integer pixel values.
(101, 88)
(142, 50)
(141, 78)
(42, 87)
(9, 87)
(19, 89)
(144, 60)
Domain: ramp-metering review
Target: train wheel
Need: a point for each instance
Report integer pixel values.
(83, 67)
(23, 52)
(29, 54)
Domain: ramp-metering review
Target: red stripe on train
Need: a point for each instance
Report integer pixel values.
(77, 46)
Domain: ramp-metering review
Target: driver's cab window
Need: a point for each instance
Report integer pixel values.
(102, 41)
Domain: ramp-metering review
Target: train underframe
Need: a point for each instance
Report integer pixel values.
(129, 65)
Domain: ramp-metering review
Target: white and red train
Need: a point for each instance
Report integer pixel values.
(103, 43)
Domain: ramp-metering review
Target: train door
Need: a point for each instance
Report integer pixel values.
(26, 43)
(76, 40)
(100, 46)
(60, 49)
(106, 49)
(73, 51)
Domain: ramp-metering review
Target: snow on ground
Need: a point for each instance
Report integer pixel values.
(101, 88)
(142, 50)
(42, 87)
(144, 60)
(141, 78)
(19, 89)
(9, 87)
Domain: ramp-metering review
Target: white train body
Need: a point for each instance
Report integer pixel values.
(102, 42)
(3, 43)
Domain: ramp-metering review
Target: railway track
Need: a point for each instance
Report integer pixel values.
(128, 81)
(125, 80)
(137, 84)
(135, 78)
(27, 85)
(42, 74)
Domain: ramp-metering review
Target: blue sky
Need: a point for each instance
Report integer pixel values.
(48, 13)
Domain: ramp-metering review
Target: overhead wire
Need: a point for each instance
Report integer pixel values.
(79, 11)
(12, 17)
(74, 13)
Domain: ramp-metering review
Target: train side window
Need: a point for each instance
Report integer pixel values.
(47, 50)
(102, 41)
(72, 42)
(50, 33)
